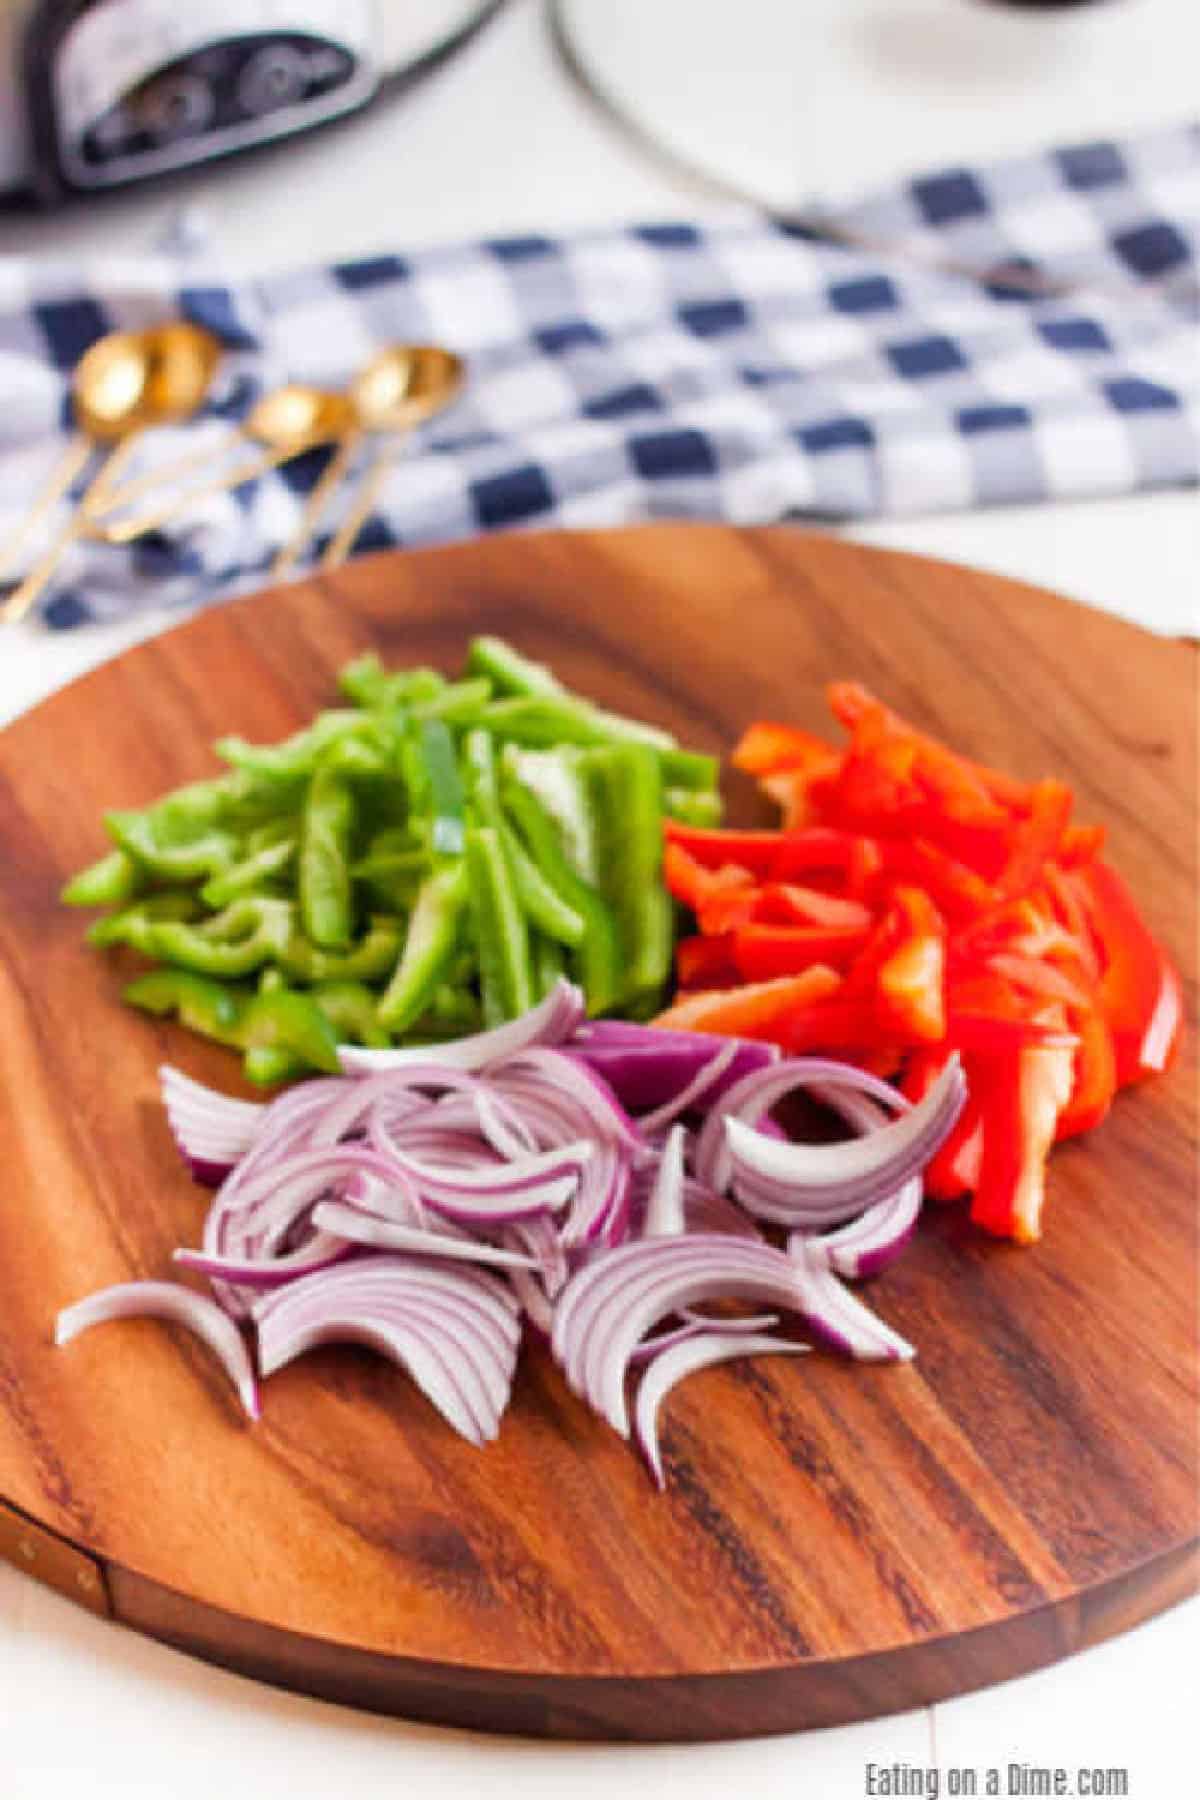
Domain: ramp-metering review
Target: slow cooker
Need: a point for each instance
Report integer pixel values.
(95, 94)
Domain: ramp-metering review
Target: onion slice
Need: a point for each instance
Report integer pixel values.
(179, 1306)
(684, 1358)
(382, 1234)
(552, 1021)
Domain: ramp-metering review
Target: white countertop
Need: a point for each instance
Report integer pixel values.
(89, 1710)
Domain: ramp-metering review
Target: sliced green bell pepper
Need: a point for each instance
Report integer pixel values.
(429, 947)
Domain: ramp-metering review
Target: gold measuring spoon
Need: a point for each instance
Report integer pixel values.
(399, 388)
(125, 382)
(287, 422)
(432, 380)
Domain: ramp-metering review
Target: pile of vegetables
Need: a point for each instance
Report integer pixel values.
(917, 908)
(425, 861)
(598, 1182)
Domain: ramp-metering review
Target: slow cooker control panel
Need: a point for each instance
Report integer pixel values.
(139, 88)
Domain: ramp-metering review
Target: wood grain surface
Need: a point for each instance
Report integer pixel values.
(835, 1541)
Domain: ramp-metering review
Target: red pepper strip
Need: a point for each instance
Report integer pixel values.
(956, 890)
(725, 912)
(820, 847)
(712, 848)
(762, 952)
(1068, 908)
(1041, 978)
(845, 1024)
(1138, 993)
(1081, 844)
(984, 1013)
(785, 903)
(765, 1010)
(1022, 1098)
(848, 700)
(706, 962)
(695, 883)
(1037, 838)
(766, 749)
(911, 980)
(1095, 1077)
(790, 789)
(954, 1169)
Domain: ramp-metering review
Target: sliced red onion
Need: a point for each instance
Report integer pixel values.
(684, 1358)
(609, 1306)
(212, 1131)
(750, 1099)
(570, 1085)
(552, 1021)
(381, 1234)
(454, 1329)
(692, 1325)
(792, 1183)
(648, 1065)
(178, 1305)
(704, 1083)
(502, 1191)
(869, 1243)
(664, 1209)
(320, 1252)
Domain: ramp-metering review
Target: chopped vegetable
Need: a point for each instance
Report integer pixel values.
(427, 1205)
(926, 906)
(428, 857)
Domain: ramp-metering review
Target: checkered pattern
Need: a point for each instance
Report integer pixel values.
(1022, 332)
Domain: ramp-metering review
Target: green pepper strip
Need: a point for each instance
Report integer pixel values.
(203, 1006)
(429, 948)
(544, 909)
(444, 788)
(244, 877)
(132, 925)
(115, 878)
(326, 897)
(510, 672)
(205, 855)
(548, 964)
(458, 704)
(624, 787)
(692, 807)
(543, 721)
(296, 757)
(596, 958)
(501, 934)
(373, 957)
(351, 1009)
(289, 1021)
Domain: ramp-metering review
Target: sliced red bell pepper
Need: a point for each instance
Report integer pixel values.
(911, 981)
(985, 1014)
(1021, 1099)
(711, 847)
(1138, 992)
(954, 1169)
(761, 952)
(849, 700)
(787, 903)
(1041, 979)
(956, 890)
(820, 847)
(765, 1010)
(695, 882)
(1037, 838)
(706, 962)
(1095, 1077)
(1081, 844)
(767, 749)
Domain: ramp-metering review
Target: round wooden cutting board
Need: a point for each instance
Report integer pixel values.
(835, 1541)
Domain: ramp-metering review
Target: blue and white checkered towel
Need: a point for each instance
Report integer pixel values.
(1020, 332)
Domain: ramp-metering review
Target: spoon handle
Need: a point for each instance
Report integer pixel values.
(166, 474)
(24, 596)
(369, 490)
(59, 480)
(123, 531)
(331, 477)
